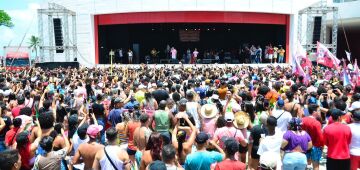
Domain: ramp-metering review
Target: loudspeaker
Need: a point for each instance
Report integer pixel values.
(317, 29)
(58, 34)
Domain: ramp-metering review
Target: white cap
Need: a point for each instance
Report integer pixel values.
(354, 106)
(229, 116)
(141, 86)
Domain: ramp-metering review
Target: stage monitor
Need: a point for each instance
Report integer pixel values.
(189, 35)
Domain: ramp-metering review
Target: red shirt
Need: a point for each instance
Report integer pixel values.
(16, 110)
(131, 127)
(9, 137)
(313, 128)
(230, 165)
(337, 137)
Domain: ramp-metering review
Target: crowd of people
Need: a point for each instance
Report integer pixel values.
(172, 117)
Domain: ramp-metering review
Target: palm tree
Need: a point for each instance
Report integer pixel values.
(34, 45)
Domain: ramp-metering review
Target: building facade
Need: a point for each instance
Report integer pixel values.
(93, 13)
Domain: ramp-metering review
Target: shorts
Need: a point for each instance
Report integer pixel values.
(314, 154)
(130, 151)
(294, 160)
(270, 56)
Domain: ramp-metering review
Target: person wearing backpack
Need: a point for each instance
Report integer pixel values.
(283, 117)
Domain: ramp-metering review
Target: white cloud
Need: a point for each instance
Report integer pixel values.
(24, 21)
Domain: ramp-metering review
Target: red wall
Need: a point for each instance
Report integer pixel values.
(191, 17)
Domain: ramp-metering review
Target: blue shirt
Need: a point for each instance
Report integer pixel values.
(201, 91)
(115, 116)
(130, 105)
(202, 160)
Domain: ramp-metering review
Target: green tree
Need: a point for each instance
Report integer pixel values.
(34, 44)
(5, 19)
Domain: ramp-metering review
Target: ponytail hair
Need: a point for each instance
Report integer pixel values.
(181, 135)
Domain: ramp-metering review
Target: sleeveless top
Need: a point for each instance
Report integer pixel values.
(191, 108)
(123, 139)
(105, 163)
(162, 121)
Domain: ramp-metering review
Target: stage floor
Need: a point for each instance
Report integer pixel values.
(192, 65)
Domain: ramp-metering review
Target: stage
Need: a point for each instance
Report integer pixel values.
(192, 65)
(216, 35)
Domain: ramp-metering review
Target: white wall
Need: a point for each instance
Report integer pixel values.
(85, 9)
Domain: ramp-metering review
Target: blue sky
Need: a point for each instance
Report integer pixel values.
(24, 17)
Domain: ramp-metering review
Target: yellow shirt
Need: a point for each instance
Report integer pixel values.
(281, 52)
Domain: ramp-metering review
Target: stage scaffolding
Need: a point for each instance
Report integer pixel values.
(46, 32)
(322, 10)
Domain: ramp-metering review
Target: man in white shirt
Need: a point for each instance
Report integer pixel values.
(283, 117)
(272, 141)
(355, 140)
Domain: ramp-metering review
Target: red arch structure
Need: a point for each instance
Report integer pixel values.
(191, 17)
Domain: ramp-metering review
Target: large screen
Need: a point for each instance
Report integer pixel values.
(189, 35)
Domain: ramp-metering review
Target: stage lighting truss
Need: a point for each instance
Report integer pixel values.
(322, 10)
(47, 36)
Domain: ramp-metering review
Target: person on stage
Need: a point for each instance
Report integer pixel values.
(194, 56)
(252, 54)
(154, 54)
(270, 53)
(281, 53)
(173, 55)
(130, 56)
(121, 55)
(258, 55)
(188, 56)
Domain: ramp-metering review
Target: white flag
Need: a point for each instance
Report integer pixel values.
(348, 55)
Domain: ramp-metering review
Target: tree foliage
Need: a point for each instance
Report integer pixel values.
(5, 19)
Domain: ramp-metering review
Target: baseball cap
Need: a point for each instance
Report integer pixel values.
(280, 103)
(201, 138)
(229, 116)
(141, 86)
(354, 106)
(118, 100)
(312, 100)
(93, 130)
(183, 102)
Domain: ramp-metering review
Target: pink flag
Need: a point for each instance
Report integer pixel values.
(357, 73)
(325, 57)
(300, 55)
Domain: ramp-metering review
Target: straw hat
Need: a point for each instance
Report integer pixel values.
(241, 120)
(209, 111)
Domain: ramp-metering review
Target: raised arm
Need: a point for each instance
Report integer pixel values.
(192, 137)
(173, 136)
(36, 142)
(67, 143)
